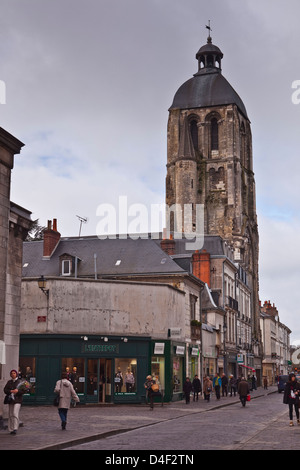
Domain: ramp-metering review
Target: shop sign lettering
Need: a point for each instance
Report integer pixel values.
(100, 348)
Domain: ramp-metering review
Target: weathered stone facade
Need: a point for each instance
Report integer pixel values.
(14, 225)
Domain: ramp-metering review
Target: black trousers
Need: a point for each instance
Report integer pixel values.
(296, 407)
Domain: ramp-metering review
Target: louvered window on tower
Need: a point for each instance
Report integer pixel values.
(194, 134)
(214, 134)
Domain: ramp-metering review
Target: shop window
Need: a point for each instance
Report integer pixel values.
(158, 371)
(125, 375)
(177, 374)
(27, 371)
(74, 367)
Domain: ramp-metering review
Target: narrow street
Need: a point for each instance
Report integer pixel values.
(262, 425)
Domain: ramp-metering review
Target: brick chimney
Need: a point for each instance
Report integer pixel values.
(51, 238)
(168, 245)
(201, 265)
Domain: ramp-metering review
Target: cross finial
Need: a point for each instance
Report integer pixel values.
(209, 29)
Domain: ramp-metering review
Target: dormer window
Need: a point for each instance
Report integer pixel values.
(67, 264)
(66, 267)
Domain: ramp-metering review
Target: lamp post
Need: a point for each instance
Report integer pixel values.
(42, 283)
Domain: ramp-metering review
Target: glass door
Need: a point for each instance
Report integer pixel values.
(92, 380)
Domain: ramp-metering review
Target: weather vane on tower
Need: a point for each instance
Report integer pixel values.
(209, 30)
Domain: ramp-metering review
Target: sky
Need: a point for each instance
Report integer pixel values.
(86, 86)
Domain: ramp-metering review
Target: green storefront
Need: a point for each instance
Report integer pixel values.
(103, 369)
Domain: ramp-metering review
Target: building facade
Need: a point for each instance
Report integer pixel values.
(14, 225)
(110, 307)
(276, 343)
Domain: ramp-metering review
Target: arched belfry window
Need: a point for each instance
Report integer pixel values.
(194, 133)
(214, 134)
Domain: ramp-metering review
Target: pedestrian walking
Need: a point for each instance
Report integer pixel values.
(224, 380)
(207, 388)
(14, 397)
(265, 383)
(243, 390)
(152, 389)
(254, 387)
(217, 385)
(196, 387)
(291, 397)
(233, 385)
(64, 388)
(187, 388)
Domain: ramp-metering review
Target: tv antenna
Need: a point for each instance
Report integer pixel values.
(83, 220)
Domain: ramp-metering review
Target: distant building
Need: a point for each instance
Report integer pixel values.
(276, 343)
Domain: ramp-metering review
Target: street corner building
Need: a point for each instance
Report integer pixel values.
(111, 311)
(15, 222)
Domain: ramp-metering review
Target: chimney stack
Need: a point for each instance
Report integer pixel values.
(201, 265)
(51, 238)
(168, 246)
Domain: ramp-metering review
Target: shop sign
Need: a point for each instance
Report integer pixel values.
(180, 350)
(174, 333)
(195, 351)
(159, 348)
(240, 358)
(100, 348)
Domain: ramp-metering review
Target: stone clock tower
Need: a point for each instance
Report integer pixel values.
(210, 161)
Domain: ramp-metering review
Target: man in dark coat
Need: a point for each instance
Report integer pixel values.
(243, 390)
(196, 385)
(187, 388)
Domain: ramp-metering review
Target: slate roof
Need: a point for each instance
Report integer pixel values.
(114, 257)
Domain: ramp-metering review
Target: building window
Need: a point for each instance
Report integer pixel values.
(177, 374)
(66, 267)
(75, 369)
(27, 371)
(193, 301)
(125, 375)
(158, 371)
(214, 134)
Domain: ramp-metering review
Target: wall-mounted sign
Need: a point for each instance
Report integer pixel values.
(159, 348)
(180, 350)
(240, 358)
(174, 332)
(195, 351)
(98, 348)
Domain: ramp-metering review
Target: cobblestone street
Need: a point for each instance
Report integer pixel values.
(220, 424)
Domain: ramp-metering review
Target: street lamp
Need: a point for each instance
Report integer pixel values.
(42, 283)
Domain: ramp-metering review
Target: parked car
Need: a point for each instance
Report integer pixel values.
(282, 380)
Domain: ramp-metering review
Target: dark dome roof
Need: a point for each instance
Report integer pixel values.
(210, 89)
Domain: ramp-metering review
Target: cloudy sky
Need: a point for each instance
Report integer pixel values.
(88, 85)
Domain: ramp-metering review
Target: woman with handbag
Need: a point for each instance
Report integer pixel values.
(14, 398)
(66, 392)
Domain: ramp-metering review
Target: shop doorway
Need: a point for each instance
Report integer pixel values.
(99, 379)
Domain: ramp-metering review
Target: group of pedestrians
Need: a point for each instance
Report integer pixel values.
(219, 384)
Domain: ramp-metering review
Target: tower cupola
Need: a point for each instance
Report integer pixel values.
(209, 58)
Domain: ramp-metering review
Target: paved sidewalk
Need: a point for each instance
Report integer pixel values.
(41, 429)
